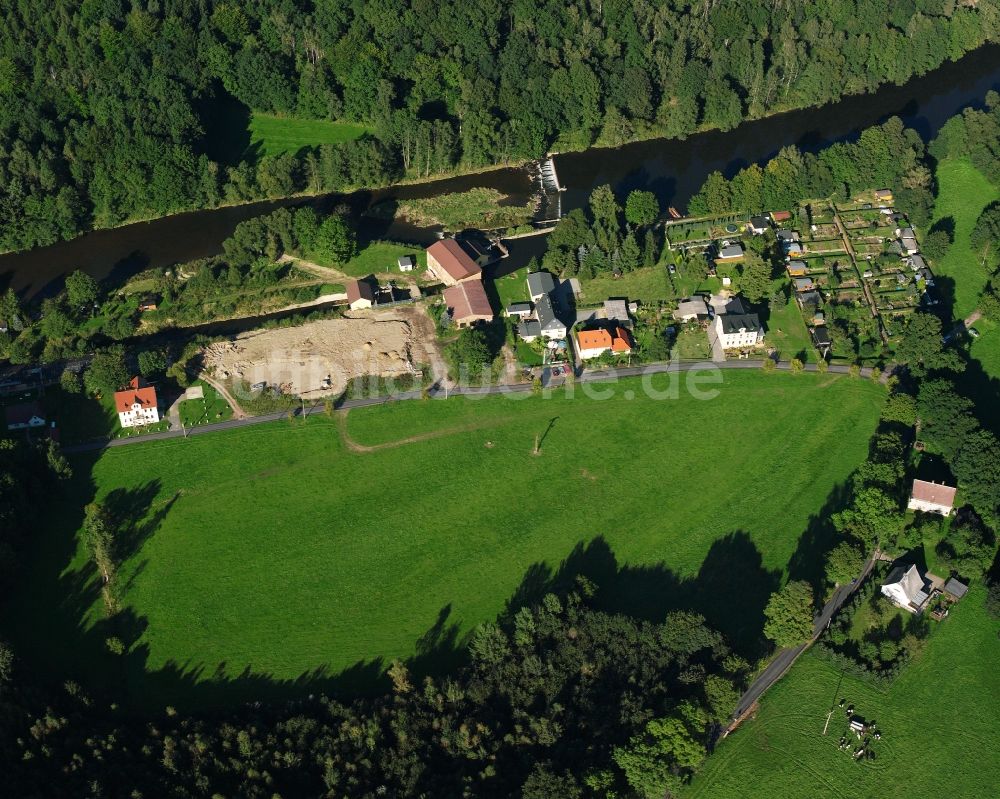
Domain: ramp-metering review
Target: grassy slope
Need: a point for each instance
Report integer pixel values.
(274, 135)
(963, 193)
(938, 721)
(379, 257)
(648, 284)
(281, 552)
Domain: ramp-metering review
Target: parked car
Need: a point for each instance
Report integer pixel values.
(672, 269)
(973, 332)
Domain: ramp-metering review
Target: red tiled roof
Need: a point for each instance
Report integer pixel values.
(593, 339)
(622, 341)
(937, 493)
(145, 396)
(453, 259)
(468, 299)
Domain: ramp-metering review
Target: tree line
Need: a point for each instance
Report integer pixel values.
(107, 107)
(558, 700)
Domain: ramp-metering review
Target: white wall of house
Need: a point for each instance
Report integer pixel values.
(731, 341)
(928, 507)
(895, 593)
(357, 305)
(593, 352)
(138, 416)
(555, 333)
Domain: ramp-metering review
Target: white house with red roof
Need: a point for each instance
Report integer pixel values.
(136, 405)
(932, 497)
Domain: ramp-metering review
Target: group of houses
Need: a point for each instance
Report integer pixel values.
(905, 586)
(542, 315)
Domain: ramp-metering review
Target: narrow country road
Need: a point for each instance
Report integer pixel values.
(783, 661)
(436, 391)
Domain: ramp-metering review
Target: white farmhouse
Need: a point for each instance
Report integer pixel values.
(137, 405)
(932, 497)
(906, 588)
(739, 330)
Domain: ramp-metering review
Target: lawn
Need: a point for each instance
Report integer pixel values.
(513, 287)
(266, 561)
(649, 284)
(938, 721)
(963, 193)
(212, 408)
(786, 331)
(379, 257)
(273, 135)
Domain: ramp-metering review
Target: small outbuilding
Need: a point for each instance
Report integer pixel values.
(519, 310)
(691, 310)
(25, 416)
(406, 263)
(360, 294)
(730, 252)
(758, 225)
(955, 589)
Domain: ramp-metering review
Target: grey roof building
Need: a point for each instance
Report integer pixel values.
(731, 252)
(758, 224)
(540, 284)
(738, 323)
(406, 263)
(616, 308)
(529, 329)
(550, 324)
(788, 235)
(955, 588)
(521, 309)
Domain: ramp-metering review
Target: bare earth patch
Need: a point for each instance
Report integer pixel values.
(319, 358)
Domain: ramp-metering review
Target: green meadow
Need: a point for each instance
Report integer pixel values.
(938, 723)
(273, 135)
(963, 192)
(270, 559)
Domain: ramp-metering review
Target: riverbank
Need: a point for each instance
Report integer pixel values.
(673, 169)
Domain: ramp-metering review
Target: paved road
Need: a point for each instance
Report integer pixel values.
(438, 392)
(783, 661)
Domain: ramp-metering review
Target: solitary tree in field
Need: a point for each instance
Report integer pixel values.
(789, 615)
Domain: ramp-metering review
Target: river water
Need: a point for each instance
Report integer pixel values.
(673, 169)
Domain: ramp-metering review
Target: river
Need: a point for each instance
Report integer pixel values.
(672, 169)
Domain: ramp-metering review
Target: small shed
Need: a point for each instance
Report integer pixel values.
(955, 589)
(406, 263)
(521, 310)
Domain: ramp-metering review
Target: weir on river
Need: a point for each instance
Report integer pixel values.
(671, 169)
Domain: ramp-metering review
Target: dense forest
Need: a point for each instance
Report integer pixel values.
(110, 109)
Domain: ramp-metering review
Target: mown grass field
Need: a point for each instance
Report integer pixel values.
(379, 257)
(273, 135)
(267, 560)
(963, 192)
(938, 721)
(648, 284)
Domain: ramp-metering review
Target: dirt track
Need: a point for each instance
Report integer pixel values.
(301, 359)
(354, 446)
